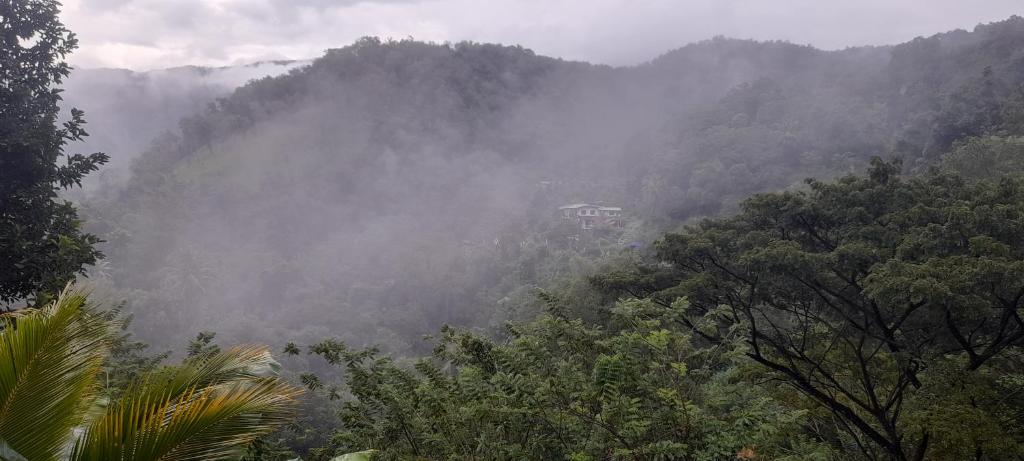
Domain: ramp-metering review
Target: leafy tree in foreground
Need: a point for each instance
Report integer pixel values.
(874, 317)
(203, 409)
(635, 388)
(41, 244)
(893, 303)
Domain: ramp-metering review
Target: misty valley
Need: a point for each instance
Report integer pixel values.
(415, 250)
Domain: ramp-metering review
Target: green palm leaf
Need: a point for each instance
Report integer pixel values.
(204, 410)
(238, 363)
(49, 362)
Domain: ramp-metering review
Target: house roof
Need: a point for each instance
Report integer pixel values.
(587, 205)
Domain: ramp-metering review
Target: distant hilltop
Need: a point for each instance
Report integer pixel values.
(128, 109)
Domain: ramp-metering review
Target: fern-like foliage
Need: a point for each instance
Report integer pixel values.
(208, 408)
(205, 410)
(49, 363)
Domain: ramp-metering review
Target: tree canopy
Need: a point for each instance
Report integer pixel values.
(889, 304)
(42, 245)
(392, 187)
(873, 296)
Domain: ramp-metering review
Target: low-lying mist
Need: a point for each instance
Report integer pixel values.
(388, 188)
(127, 109)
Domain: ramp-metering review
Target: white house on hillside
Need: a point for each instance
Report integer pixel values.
(588, 216)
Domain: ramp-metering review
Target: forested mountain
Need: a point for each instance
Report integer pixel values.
(739, 250)
(132, 108)
(391, 187)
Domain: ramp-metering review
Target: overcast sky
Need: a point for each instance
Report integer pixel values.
(147, 34)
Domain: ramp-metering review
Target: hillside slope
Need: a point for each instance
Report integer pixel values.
(127, 109)
(391, 187)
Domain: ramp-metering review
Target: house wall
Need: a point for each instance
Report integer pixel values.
(589, 217)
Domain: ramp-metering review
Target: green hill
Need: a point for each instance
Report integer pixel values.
(391, 187)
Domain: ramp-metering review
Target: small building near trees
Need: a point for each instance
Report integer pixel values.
(590, 216)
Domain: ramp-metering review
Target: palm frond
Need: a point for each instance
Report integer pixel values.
(49, 363)
(202, 410)
(241, 362)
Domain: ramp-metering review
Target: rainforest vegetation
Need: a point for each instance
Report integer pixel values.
(822, 255)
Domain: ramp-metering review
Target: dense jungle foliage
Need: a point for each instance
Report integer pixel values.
(42, 245)
(390, 188)
(387, 218)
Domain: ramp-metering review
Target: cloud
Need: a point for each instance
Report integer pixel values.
(103, 5)
(143, 34)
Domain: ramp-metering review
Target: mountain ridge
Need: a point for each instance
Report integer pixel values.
(397, 186)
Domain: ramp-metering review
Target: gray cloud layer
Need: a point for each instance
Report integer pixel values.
(145, 34)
